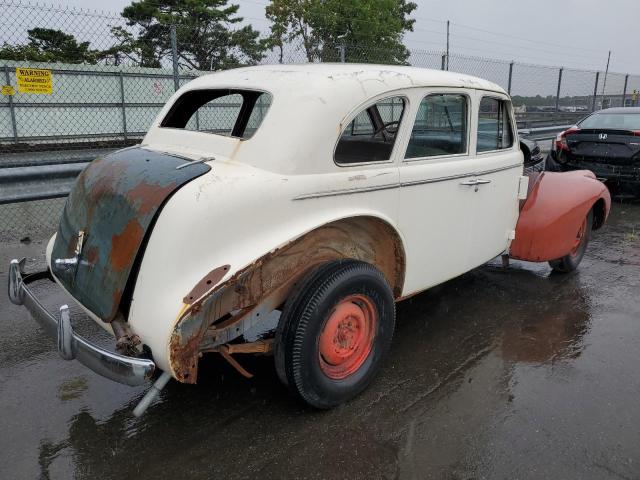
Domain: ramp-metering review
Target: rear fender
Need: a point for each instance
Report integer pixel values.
(211, 317)
(553, 212)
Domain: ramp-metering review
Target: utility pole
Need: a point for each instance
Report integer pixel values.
(447, 45)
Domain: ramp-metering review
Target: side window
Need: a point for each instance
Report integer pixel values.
(371, 135)
(494, 125)
(440, 127)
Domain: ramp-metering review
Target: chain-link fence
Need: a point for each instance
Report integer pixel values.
(77, 84)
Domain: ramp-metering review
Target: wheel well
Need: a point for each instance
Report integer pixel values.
(386, 249)
(225, 311)
(599, 213)
(365, 238)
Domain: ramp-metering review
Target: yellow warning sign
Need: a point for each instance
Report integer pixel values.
(34, 80)
(8, 90)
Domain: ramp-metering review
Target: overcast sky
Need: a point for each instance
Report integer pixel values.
(570, 33)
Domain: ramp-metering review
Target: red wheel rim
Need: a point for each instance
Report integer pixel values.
(347, 336)
(579, 238)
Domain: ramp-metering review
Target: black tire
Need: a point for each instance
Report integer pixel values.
(570, 262)
(305, 317)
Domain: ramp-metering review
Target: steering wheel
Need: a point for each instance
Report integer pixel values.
(386, 127)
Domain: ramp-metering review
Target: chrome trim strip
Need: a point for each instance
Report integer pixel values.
(119, 368)
(347, 191)
(456, 177)
(350, 191)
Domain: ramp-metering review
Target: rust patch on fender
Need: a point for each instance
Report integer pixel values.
(91, 255)
(124, 246)
(147, 196)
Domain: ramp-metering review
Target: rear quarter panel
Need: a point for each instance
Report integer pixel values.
(232, 216)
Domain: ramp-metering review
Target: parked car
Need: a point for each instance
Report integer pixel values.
(606, 142)
(312, 196)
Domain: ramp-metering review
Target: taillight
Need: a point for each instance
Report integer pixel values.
(636, 133)
(561, 139)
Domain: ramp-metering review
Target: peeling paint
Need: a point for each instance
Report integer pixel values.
(124, 245)
(114, 201)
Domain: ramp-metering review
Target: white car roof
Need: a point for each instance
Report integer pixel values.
(310, 105)
(348, 75)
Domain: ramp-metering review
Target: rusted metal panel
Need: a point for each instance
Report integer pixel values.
(270, 278)
(207, 283)
(111, 207)
(553, 212)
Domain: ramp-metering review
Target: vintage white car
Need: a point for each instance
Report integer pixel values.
(304, 201)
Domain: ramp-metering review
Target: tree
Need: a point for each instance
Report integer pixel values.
(371, 30)
(203, 31)
(48, 45)
(292, 19)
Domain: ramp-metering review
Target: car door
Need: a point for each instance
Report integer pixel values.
(498, 163)
(436, 211)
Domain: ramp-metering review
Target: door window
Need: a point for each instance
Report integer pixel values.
(494, 125)
(440, 127)
(371, 135)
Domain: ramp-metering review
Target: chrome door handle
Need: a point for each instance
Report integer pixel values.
(475, 181)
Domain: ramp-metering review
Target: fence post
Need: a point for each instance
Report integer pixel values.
(558, 92)
(624, 90)
(12, 110)
(124, 112)
(343, 53)
(448, 44)
(174, 55)
(595, 92)
(510, 78)
(444, 57)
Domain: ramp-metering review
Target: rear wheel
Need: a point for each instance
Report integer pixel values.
(334, 332)
(570, 262)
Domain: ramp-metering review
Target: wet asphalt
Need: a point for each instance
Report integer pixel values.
(511, 373)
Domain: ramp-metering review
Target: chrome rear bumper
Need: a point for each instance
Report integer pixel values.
(119, 368)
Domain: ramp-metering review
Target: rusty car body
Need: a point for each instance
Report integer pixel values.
(250, 179)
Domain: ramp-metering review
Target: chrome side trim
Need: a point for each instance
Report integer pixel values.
(119, 368)
(456, 177)
(346, 191)
(351, 191)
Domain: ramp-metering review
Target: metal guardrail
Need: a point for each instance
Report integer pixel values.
(542, 133)
(46, 180)
(25, 184)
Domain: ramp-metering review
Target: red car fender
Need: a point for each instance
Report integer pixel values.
(555, 208)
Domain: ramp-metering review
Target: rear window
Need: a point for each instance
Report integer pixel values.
(232, 113)
(619, 121)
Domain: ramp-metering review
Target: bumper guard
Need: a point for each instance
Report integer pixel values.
(119, 368)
